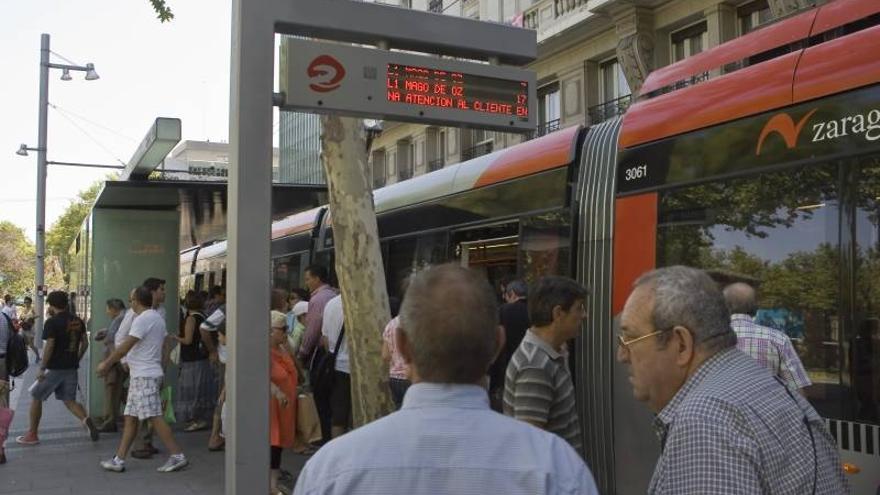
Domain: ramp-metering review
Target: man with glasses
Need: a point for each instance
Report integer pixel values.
(537, 387)
(725, 424)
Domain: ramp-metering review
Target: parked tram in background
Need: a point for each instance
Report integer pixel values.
(758, 161)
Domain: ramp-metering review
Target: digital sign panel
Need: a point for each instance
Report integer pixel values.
(429, 87)
(352, 80)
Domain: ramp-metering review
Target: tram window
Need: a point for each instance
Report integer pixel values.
(545, 245)
(779, 232)
(864, 354)
(287, 272)
(401, 258)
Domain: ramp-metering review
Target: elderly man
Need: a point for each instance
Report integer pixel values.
(725, 425)
(770, 347)
(446, 439)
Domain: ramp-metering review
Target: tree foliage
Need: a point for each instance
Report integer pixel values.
(16, 260)
(61, 235)
(163, 12)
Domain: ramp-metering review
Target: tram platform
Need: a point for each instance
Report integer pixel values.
(66, 460)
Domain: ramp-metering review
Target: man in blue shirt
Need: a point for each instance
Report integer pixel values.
(445, 439)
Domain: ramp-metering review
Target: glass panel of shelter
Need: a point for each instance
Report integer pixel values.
(781, 232)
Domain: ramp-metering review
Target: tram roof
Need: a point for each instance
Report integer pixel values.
(788, 62)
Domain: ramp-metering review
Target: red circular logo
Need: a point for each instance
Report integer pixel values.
(328, 72)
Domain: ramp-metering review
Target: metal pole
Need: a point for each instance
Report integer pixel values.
(41, 186)
(250, 216)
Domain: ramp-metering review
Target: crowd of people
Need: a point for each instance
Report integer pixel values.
(484, 393)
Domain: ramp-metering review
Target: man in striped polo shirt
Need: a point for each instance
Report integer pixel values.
(537, 386)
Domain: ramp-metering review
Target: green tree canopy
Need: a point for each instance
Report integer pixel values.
(16, 260)
(60, 236)
(163, 12)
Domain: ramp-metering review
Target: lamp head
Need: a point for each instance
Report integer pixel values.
(91, 75)
(22, 150)
(65, 76)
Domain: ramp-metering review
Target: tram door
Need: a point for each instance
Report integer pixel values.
(495, 258)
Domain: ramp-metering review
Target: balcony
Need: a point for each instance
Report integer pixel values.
(609, 109)
(551, 17)
(547, 128)
(479, 150)
(404, 172)
(436, 164)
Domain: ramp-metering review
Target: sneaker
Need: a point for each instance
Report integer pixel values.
(196, 426)
(29, 438)
(89, 425)
(174, 463)
(115, 464)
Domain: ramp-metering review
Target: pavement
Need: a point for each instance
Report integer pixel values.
(66, 460)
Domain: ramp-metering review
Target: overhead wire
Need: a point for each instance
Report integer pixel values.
(86, 133)
(92, 122)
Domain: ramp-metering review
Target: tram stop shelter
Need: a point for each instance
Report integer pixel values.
(135, 230)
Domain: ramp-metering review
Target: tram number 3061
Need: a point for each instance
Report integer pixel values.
(635, 173)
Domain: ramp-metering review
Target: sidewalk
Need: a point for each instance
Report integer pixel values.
(66, 460)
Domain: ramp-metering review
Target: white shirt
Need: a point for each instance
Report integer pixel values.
(212, 324)
(124, 328)
(446, 440)
(331, 327)
(145, 358)
(10, 311)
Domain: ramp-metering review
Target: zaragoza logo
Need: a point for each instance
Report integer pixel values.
(783, 125)
(329, 72)
(865, 124)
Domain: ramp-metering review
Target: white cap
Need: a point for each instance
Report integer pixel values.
(300, 308)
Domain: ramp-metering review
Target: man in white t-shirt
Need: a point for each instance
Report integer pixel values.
(10, 309)
(143, 349)
(340, 398)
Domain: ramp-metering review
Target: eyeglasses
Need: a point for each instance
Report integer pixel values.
(626, 343)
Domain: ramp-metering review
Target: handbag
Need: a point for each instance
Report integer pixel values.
(308, 424)
(167, 395)
(323, 369)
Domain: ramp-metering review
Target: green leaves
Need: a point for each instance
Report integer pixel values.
(163, 12)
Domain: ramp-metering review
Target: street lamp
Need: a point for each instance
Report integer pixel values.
(42, 163)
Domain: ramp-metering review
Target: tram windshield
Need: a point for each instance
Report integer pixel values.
(789, 233)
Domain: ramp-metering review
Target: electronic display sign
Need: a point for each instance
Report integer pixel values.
(334, 78)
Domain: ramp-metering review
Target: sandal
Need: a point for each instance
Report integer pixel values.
(217, 448)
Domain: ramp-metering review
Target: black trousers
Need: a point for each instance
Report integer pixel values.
(275, 457)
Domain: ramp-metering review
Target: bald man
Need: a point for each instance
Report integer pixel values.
(770, 347)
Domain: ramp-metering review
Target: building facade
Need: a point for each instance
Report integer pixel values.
(204, 160)
(593, 56)
(300, 141)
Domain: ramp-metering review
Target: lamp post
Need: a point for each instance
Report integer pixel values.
(42, 163)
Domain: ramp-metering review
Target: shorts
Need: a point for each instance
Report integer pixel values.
(340, 400)
(144, 401)
(62, 382)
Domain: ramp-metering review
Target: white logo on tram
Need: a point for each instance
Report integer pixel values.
(868, 124)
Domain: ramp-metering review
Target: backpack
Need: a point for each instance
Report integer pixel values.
(16, 351)
(322, 374)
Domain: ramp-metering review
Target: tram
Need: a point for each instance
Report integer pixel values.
(758, 161)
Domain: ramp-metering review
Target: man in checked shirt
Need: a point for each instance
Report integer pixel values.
(771, 348)
(725, 425)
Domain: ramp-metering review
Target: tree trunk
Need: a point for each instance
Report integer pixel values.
(358, 263)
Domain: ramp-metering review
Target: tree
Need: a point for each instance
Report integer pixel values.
(62, 233)
(17, 255)
(358, 263)
(163, 12)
